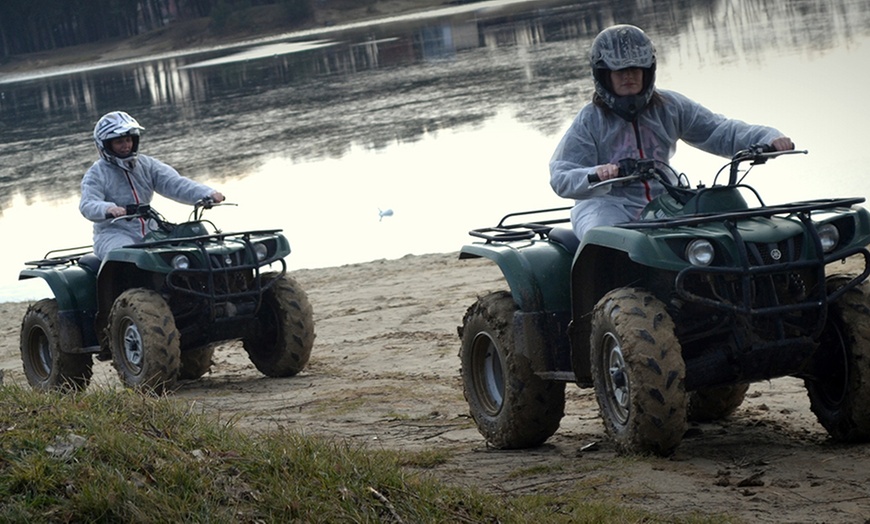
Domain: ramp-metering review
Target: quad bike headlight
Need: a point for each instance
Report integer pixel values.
(261, 251)
(700, 252)
(830, 237)
(180, 262)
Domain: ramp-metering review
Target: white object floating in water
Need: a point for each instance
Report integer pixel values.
(384, 213)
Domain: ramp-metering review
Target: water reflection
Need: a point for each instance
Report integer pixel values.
(323, 101)
(316, 98)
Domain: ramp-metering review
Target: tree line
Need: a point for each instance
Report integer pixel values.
(28, 26)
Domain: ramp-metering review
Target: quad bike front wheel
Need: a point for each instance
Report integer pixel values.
(281, 345)
(46, 365)
(638, 372)
(512, 407)
(144, 341)
(839, 383)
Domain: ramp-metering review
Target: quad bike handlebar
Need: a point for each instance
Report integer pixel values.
(145, 211)
(631, 169)
(755, 154)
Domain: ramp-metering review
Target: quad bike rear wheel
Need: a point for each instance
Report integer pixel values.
(839, 386)
(638, 372)
(144, 341)
(707, 405)
(513, 407)
(196, 362)
(46, 365)
(284, 336)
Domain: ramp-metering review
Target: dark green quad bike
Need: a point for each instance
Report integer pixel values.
(158, 309)
(671, 317)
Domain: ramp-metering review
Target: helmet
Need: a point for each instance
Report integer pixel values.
(113, 125)
(620, 47)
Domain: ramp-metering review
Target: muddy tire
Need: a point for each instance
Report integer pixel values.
(46, 366)
(638, 372)
(707, 405)
(144, 341)
(196, 362)
(512, 407)
(285, 332)
(839, 388)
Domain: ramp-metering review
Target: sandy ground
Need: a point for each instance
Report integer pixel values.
(385, 372)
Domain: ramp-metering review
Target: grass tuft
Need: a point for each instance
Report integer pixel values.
(116, 456)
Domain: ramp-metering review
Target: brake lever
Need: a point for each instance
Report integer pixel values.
(611, 181)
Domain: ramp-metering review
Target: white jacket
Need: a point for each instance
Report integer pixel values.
(106, 185)
(598, 137)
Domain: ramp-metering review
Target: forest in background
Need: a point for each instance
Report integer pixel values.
(29, 26)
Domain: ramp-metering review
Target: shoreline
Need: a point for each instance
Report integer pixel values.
(8, 296)
(194, 36)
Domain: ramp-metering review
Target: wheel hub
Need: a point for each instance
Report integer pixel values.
(490, 376)
(133, 347)
(618, 385)
(41, 358)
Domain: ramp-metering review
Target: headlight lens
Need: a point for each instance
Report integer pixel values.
(700, 252)
(830, 237)
(261, 252)
(180, 262)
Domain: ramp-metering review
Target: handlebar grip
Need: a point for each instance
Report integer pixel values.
(593, 178)
(758, 149)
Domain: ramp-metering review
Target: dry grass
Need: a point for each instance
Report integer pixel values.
(115, 456)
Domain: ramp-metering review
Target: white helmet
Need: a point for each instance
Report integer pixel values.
(113, 125)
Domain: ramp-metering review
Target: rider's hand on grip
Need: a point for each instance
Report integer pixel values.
(627, 166)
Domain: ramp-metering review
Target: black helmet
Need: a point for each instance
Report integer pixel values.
(620, 47)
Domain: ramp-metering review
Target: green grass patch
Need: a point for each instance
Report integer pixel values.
(116, 456)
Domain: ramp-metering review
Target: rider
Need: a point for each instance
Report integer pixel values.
(121, 176)
(629, 118)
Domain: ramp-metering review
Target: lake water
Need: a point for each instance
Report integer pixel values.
(447, 118)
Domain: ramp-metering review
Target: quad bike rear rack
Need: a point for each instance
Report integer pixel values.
(503, 232)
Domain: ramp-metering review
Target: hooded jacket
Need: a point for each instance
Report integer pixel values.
(598, 136)
(106, 184)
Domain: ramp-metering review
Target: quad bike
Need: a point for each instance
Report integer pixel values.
(671, 317)
(157, 309)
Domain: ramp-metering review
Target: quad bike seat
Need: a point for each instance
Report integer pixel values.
(565, 236)
(91, 262)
